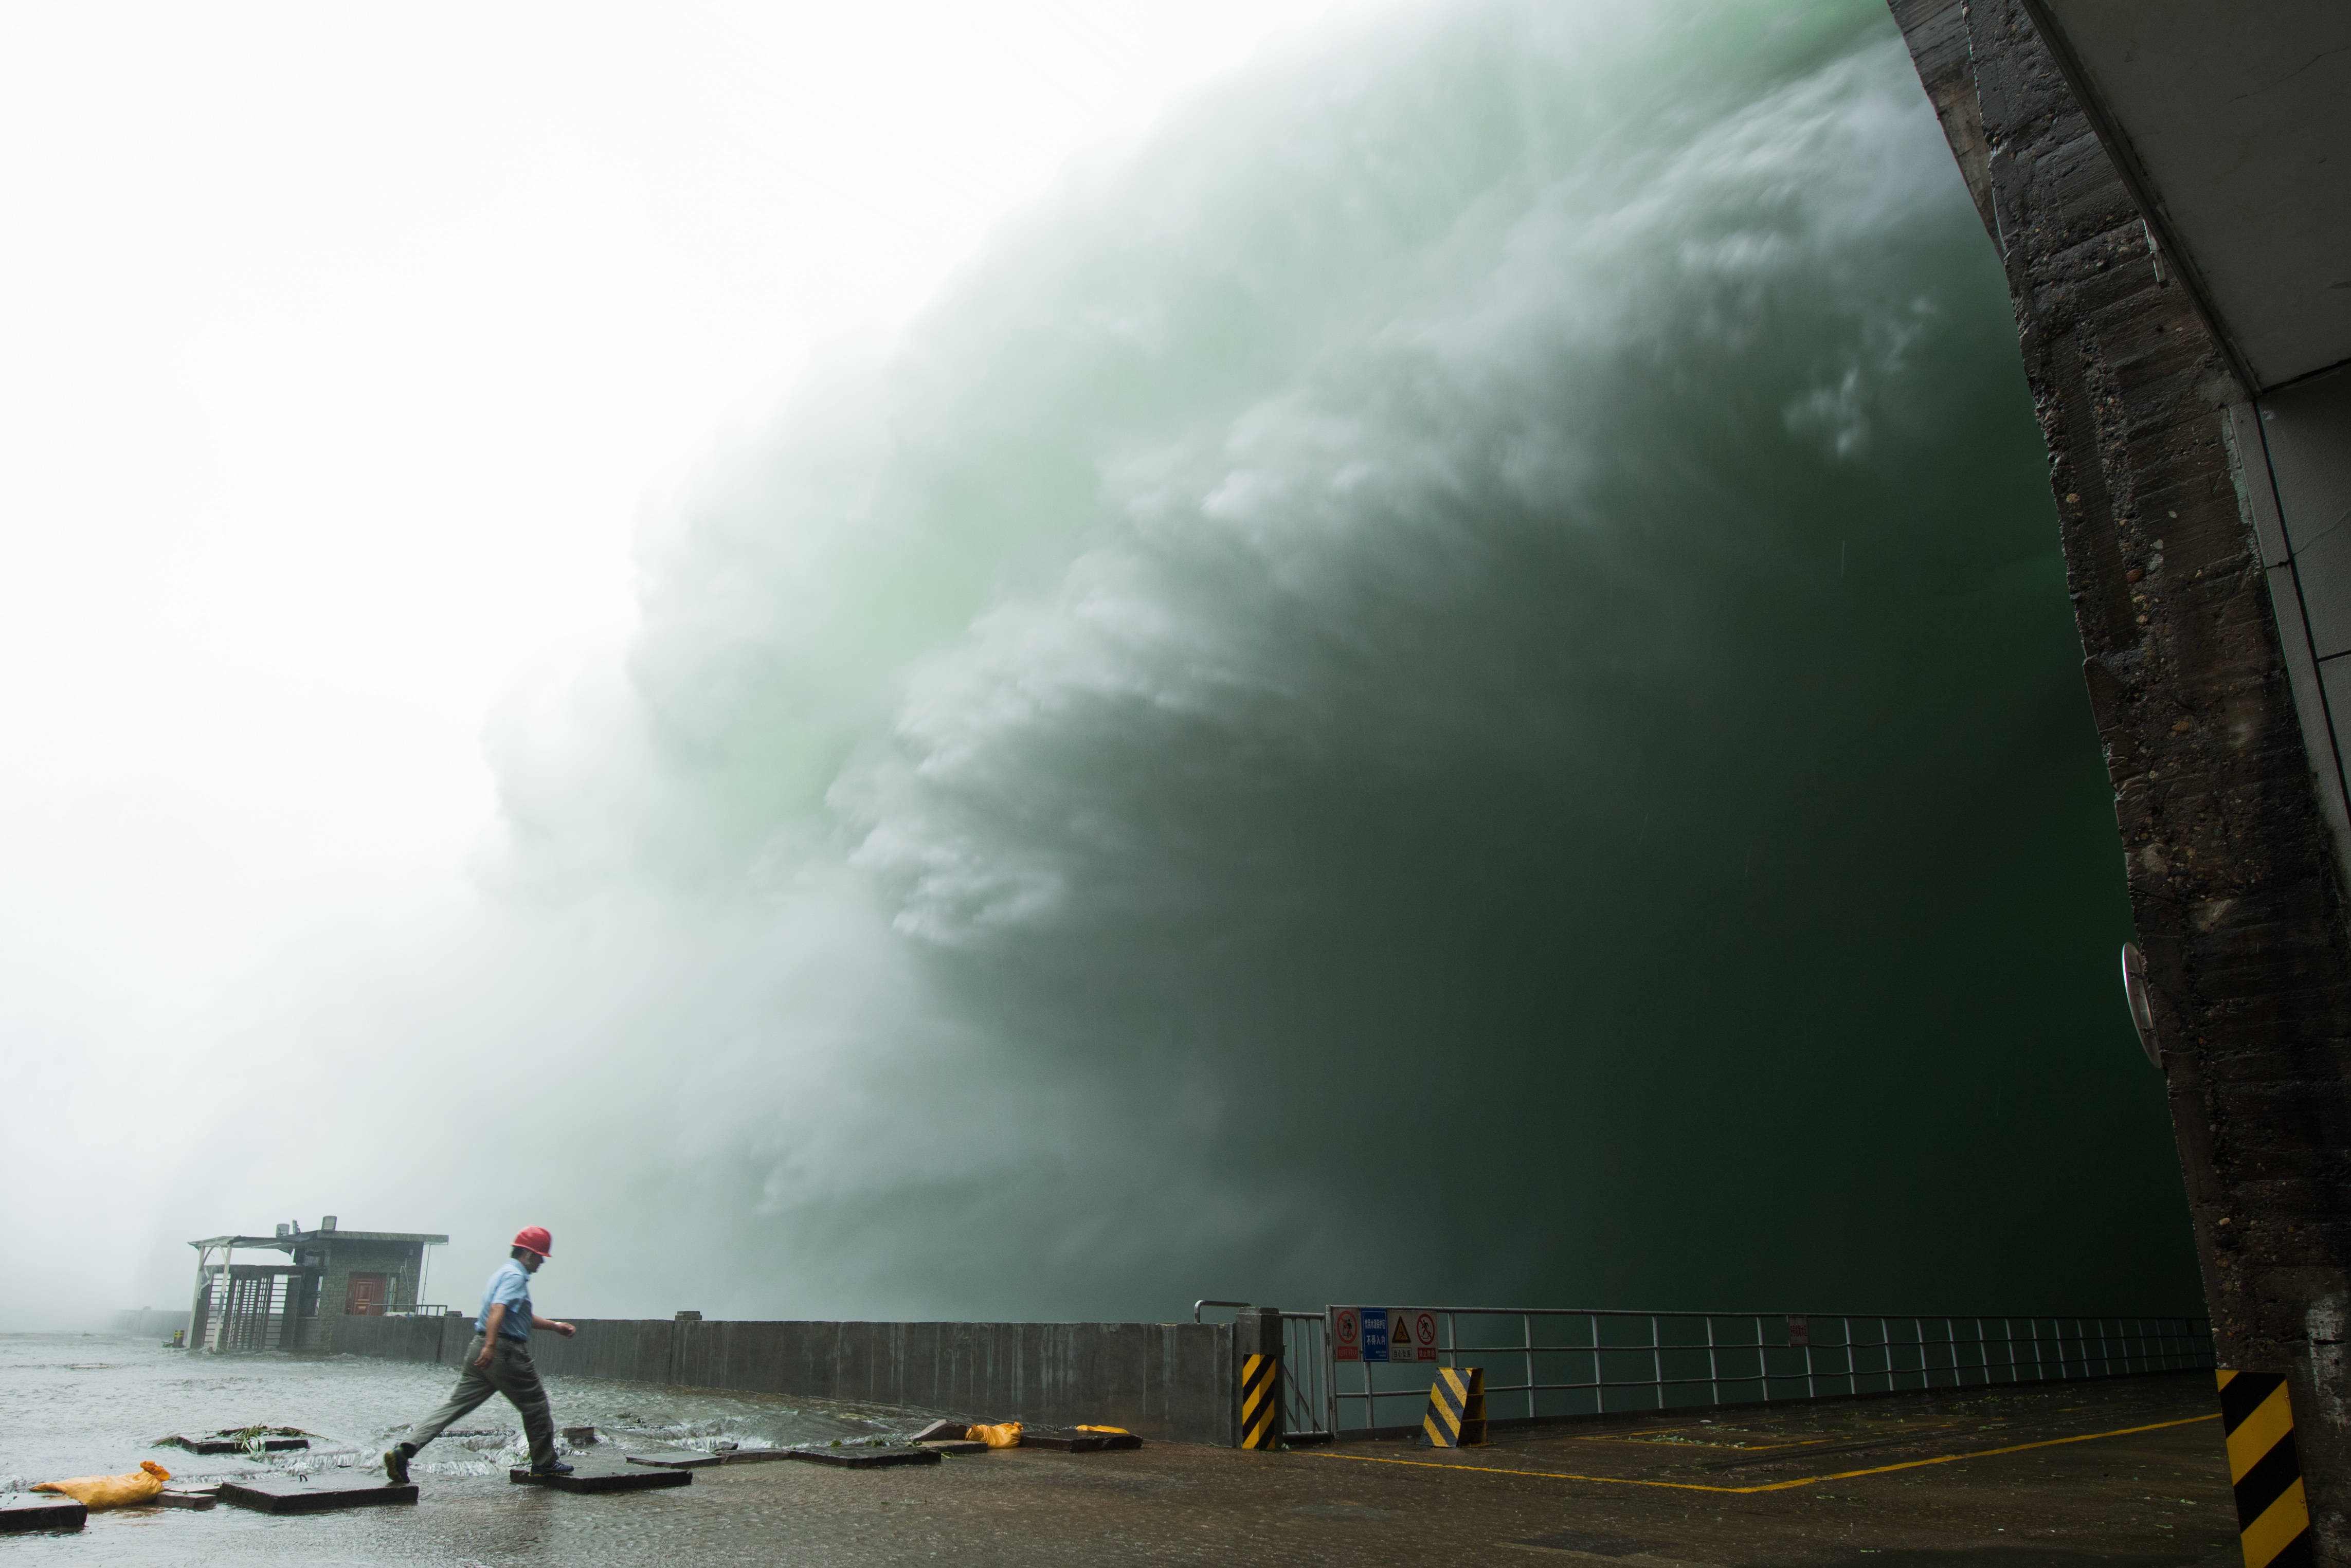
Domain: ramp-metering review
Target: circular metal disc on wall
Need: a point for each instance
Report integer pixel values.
(2142, 1008)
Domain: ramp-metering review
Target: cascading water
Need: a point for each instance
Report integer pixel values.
(1450, 680)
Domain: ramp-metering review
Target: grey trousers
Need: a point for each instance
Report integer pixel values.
(511, 1373)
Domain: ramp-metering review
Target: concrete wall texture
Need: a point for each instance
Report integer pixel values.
(2234, 887)
(1170, 1382)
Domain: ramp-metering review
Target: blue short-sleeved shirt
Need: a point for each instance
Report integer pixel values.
(510, 1284)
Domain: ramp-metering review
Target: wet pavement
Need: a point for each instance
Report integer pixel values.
(2125, 1472)
(90, 1405)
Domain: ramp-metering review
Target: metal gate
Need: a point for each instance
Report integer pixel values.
(1306, 1391)
(249, 1307)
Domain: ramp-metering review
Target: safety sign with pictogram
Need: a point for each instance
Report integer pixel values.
(1383, 1334)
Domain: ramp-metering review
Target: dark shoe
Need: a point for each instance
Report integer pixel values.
(557, 1469)
(395, 1464)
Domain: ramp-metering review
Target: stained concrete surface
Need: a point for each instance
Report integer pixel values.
(1616, 1491)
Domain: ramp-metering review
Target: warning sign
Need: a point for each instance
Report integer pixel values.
(1383, 1334)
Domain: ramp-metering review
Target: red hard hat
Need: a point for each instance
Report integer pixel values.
(534, 1239)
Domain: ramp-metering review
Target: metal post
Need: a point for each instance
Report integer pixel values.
(1657, 1361)
(1330, 1381)
(197, 1320)
(1599, 1368)
(1256, 1332)
(1527, 1332)
(227, 1297)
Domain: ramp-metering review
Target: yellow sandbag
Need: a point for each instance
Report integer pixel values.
(1120, 1430)
(1003, 1435)
(113, 1492)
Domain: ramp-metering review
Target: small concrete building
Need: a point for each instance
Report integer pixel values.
(293, 1303)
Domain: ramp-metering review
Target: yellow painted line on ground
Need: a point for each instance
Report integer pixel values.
(1753, 1447)
(1642, 1434)
(1694, 1443)
(1769, 1485)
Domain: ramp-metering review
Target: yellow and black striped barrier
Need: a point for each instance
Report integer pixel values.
(1456, 1409)
(2273, 1515)
(1261, 1402)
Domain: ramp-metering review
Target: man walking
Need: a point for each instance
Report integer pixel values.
(500, 1362)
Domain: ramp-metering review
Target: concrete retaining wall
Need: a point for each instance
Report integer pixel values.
(1172, 1382)
(393, 1339)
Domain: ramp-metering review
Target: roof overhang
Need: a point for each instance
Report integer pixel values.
(214, 1243)
(2227, 118)
(288, 1243)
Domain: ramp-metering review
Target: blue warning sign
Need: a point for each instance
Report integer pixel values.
(1376, 1333)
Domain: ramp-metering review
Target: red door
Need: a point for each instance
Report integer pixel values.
(366, 1299)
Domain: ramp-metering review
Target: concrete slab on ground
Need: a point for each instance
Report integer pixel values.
(297, 1495)
(609, 1476)
(678, 1460)
(26, 1511)
(694, 1459)
(868, 1459)
(1080, 1442)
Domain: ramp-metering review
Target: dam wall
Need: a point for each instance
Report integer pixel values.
(1168, 1382)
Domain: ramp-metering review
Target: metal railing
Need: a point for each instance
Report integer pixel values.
(1307, 1401)
(1590, 1362)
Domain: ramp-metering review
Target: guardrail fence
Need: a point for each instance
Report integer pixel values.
(1587, 1362)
